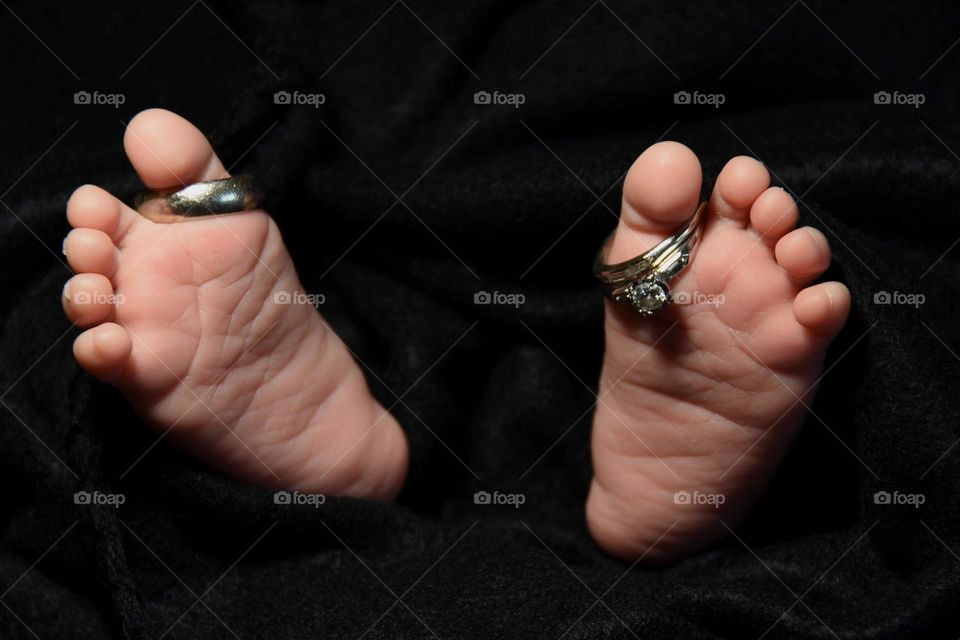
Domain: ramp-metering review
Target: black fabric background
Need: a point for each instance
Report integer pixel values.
(518, 205)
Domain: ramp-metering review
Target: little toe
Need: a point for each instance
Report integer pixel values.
(739, 184)
(94, 208)
(90, 251)
(774, 214)
(88, 299)
(823, 308)
(804, 254)
(660, 192)
(103, 351)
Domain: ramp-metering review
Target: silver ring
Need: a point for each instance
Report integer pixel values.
(643, 281)
(209, 198)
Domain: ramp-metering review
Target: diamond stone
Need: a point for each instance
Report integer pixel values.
(647, 296)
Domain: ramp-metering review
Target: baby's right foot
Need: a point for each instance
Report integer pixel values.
(184, 320)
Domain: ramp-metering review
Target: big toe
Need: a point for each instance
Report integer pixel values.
(168, 151)
(660, 192)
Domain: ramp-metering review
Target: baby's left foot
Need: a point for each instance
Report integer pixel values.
(700, 401)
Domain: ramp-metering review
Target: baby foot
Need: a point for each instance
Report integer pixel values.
(184, 319)
(700, 401)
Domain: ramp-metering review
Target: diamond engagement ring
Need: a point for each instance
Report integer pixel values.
(642, 281)
(209, 198)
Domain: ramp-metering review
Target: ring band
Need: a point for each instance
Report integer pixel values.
(642, 281)
(209, 198)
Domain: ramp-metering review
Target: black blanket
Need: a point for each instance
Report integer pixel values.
(463, 149)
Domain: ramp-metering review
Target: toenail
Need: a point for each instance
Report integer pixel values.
(817, 236)
(66, 290)
(63, 247)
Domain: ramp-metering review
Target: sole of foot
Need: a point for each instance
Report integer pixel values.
(699, 402)
(188, 320)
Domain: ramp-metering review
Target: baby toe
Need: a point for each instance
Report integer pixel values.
(739, 184)
(88, 299)
(774, 214)
(103, 350)
(94, 208)
(804, 254)
(660, 192)
(169, 151)
(823, 308)
(90, 251)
